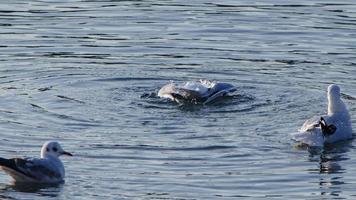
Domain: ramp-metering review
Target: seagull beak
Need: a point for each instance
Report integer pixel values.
(67, 153)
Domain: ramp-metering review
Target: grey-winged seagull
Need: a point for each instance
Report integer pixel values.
(330, 128)
(47, 169)
(203, 91)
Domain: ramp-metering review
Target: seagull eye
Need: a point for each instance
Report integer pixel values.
(54, 149)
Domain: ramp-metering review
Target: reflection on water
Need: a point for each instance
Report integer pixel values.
(331, 185)
(87, 72)
(43, 190)
(331, 172)
(329, 166)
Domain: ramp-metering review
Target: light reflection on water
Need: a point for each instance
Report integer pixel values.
(87, 73)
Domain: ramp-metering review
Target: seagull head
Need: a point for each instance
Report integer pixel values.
(53, 149)
(335, 104)
(333, 91)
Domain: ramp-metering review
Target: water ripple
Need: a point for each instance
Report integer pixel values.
(87, 73)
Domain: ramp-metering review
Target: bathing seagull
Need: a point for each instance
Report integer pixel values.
(48, 169)
(203, 91)
(333, 127)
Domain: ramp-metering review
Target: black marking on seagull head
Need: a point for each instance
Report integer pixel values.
(327, 130)
(54, 149)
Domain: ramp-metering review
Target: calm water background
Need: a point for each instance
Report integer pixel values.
(86, 73)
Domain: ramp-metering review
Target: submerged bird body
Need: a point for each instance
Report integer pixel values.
(47, 169)
(330, 128)
(202, 91)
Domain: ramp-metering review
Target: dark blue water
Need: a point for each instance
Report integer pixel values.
(86, 73)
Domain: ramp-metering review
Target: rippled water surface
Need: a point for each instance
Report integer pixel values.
(86, 73)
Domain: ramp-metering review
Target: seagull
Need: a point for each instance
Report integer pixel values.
(48, 169)
(330, 128)
(203, 91)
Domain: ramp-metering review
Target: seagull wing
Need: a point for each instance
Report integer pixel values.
(311, 124)
(24, 169)
(218, 94)
(187, 95)
(310, 133)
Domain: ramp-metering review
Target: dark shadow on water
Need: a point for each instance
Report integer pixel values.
(245, 102)
(329, 157)
(327, 149)
(217, 104)
(331, 149)
(331, 172)
(44, 190)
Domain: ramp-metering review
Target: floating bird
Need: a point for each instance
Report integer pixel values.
(202, 91)
(48, 169)
(333, 127)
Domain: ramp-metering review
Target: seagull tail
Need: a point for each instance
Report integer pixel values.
(7, 162)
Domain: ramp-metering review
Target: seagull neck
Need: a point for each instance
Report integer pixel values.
(48, 156)
(336, 105)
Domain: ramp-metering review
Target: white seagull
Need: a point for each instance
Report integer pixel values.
(203, 91)
(48, 169)
(330, 128)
